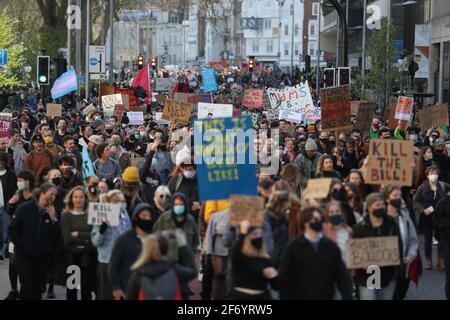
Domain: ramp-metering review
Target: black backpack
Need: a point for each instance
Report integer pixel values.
(162, 287)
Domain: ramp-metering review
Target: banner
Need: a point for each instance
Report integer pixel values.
(365, 115)
(335, 107)
(163, 84)
(136, 118)
(224, 166)
(390, 162)
(176, 111)
(102, 212)
(209, 80)
(215, 110)
(5, 126)
(422, 49)
(253, 98)
(109, 104)
(249, 208)
(404, 108)
(378, 251)
(54, 110)
(433, 117)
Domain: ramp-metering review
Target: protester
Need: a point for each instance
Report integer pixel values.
(105, 167)
(39, 158)
(307, 162)
(325, 168)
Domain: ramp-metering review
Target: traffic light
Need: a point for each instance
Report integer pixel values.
(328, 77)
(154, 63)
(140, 62)
(61, 66)
(251, 63)
(43, 70)
(343, 76)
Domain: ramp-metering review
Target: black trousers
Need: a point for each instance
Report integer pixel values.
(32, 274)
(446, 251)
(104, 289)
(401, 288)
(88, 278)
(208, 274)
(237, 295)
(428, 239)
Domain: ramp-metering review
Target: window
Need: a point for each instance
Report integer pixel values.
(312, 48)
(286, 30)
(296, 52)
(267, 24)
(255, 45)
(315, 9)
(312, 29)
(269, 46)
(296, 30)
(174, 19)
(286, 49)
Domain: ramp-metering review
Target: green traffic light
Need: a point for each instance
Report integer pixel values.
(43, 79)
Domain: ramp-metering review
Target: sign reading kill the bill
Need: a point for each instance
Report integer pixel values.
(249, 208)
(177, 111)
(390, 162)
(335, 107)
(379, 251)
(433, 117)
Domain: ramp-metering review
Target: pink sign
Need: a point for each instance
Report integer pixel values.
(253, 98)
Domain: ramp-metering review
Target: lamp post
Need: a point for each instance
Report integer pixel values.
(292, 37)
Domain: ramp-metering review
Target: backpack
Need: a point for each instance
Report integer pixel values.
(162, 287)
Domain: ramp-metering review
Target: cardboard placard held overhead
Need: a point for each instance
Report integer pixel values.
(433, 117)
(217, 110)
(379, 251)
(177, 111)
(335, 108)
(354, 106)
(101, 212)
(120, 109)
(253, 98)
(246, 208)
(54, 110)
(136, 118)
(390, 162)
(126, 101)
(317, 188)
(390, 116)
(366, 113)
(109, 104)
(163, 84)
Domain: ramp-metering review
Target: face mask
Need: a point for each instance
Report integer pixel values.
(62, 127)
(48, 140)
(433, 178)
(380, 213)
(97, 118)
(189, 174)
(178, 210)
(336, 219)
(324, 141)
(22, 185)
(265, 184)
(316, 226)
(338, 194)
(413, 137)
(93, 189)
(145, 225)
(428, 156)
(439, 150)
(396, 203)
(257, 243)
(142, 133)
(113, 123)
(109, 131)
(56, 181)
(376, 125)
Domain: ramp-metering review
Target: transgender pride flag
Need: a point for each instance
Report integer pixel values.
(66, 83)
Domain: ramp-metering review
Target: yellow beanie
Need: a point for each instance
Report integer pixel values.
(131, 175)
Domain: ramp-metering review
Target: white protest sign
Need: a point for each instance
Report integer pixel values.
(109, 103)
(291, 116)
(159, 119)
(101, 212)
(217, 110)
(136, 118)
(163, 84)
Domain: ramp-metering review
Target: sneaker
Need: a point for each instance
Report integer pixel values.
(13, 295)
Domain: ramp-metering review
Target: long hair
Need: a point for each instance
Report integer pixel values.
(321, 162)
(69, 202)
(250, 251)
(42, 189)
(113, 196)
(279, 201)
(420, 168)
(290, 172)
(356, 202)
(152, 251)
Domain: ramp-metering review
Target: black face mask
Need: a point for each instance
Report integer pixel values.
(316, 226)
(56, 181)
(145, 225)
(339, 195)
(380, 213)
(109, 131)
(324, 141)
(93, 189)
(397, 203)
(265, 184)
(257, 242)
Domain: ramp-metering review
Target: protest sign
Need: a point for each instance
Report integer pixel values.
(206, 98)
(217, 110)
(354, 106)
(366, 112)
(102, 212)
(130, 101)
(109, 104)
(404, 108)
(390, 162)
(249, 208)
(163, 84)
(54, 110)
(290, 115)
(253, 115)
(253, 98)
(209, 80)
(225, 165)
(106, 89)
(136, 118)
(379, 251)
(5, 126)
(433, 117)
(88, 167)
(161, 98)
(390, 117)
(317, 188)
(136, 160)
(120, 109)
(176, 111)
(159, 119)
(335, 107)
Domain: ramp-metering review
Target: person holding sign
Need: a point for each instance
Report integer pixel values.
(377, 223)
(77, 240)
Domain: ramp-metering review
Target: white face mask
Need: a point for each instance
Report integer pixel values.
(413, 137)
(189, 174)
(21, 185)
(433, 178)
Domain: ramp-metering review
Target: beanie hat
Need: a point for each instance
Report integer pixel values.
(97, 123)
(374, 197)
(131, 175)
(310, 145)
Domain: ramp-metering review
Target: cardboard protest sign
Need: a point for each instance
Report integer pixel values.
(102, 212)
(246, 208)
(136, 118)
(379, 251)
(225, 165)
(389, 162)
(433, 117)
(291, 116)
(163, 84)
(364, 118)
(130, 101)
(5, 126)
(335, 107)
(209, 80)
(354, 106)
(390, 117)
(404, 108)
(217, 110)
(317, 188)
(120, 109)
(54, 110)
(176, 111)
(109, 104)
(136, 160)
(253, 98)
(106, 90)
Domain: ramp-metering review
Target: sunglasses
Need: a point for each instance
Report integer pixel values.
(164, 196)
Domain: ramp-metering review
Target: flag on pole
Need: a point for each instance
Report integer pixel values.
(65, 84)
(142, 79)
(88, 168)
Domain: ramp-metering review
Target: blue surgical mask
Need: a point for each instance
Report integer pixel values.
(178, 210)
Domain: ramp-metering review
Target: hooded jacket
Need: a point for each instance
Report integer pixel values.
(307, 166)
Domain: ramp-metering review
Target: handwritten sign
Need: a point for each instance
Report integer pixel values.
(136, 118)
(317, 188)
(102, 212)
(379, 251)
(433, 117)
(109, 104)
(390, 117)
(366, 112)
(176, 111)
(335, 106)
(209, 80)
(291, 115)
(163, 84)
(389, 162)
(354, 106)
(5, 126)
(214, 110)
(120, 109)
(246, 208)
(253, 98)
(404, 108)
(159, 119)
(54, 110)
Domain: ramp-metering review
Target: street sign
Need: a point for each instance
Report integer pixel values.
(80, 79)
(97, 59)
(3, 56)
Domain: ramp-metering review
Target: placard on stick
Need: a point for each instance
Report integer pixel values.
(390, 162)
(54, 110)
(335, 108)
(317, 188)
(102, 212)
(177, 111)
(433, 117)
(379, 251)
(246, 208)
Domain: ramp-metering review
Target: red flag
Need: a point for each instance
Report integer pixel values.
(142, 79)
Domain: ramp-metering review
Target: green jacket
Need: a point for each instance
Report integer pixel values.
(307, 167)
(373, 134)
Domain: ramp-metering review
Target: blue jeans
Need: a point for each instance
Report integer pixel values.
(386, 293)
(4, 223)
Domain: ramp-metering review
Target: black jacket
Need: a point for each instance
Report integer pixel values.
(441, 219)
(310, 275)
(32, 232)
(9, 182)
